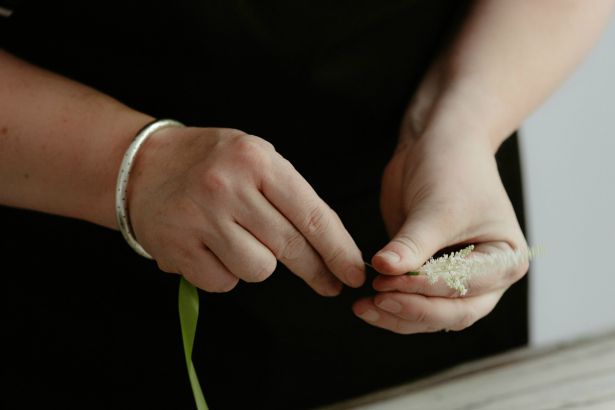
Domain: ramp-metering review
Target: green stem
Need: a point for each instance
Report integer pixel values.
(188, 317)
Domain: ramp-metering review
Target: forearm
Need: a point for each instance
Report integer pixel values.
(61, 143)
(507, 58)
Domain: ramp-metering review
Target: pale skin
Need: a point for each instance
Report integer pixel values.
(442, 187)
(220, 205)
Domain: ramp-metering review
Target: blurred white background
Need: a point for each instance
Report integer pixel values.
(568, 154)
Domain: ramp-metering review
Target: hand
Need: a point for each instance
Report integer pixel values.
(218, 205)
(438, 192)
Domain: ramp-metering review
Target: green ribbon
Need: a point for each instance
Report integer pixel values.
(188, 317)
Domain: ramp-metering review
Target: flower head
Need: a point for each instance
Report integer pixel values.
(457, 268)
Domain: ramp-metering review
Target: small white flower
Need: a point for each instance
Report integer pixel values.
(456, 268)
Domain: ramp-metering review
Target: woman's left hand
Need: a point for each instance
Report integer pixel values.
(440, 191)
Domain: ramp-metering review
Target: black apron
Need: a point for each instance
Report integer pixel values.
(92, 325)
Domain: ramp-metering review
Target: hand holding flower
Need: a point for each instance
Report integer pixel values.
(438, 192)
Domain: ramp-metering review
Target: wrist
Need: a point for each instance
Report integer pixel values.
(114, 134)
(124, 178)
(456, 109)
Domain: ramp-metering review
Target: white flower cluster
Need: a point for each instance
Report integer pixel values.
(456, 268)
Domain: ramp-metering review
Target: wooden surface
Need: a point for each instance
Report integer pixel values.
(579, 375)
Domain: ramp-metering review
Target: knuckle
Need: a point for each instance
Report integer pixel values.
(225, 285)
(320, 277)
(317, 221)
(421, 285)
(334, 256)
(293, 247)
(261, 272)
(419, 316)
(250, 151)
(285, 164)
(262, 142)
(190, 275)
(215, 181)
(165, 267)
(334, 215)
(518, 272)
(211, 282)
(467, 319)
(452, 292)
(229, 132)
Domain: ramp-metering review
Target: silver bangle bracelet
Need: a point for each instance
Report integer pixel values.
(121, 206)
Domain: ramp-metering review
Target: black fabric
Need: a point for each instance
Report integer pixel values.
(326, 83)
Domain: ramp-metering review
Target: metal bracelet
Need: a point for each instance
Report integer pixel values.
(121, 206)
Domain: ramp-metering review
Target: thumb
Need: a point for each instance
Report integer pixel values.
(420, 237)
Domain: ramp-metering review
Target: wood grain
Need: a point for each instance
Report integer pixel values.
(579, 375)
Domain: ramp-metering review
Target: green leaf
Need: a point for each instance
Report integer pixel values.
(188, 317)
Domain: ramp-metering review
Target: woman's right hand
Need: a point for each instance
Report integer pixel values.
(218, 205)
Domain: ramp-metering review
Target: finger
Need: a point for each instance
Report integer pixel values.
(241, 253)
(421, 285)
(407, 313)
(201, 268)
(289, 246)
(294, 197)
(498, 276)
(424, 233)
(208, 273)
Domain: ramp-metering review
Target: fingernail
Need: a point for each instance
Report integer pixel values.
(389, 305)
(369, 315)
(390, 257)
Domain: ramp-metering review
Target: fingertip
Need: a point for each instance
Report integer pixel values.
(395, 259)
(387, 262)
(356, 308)
(356, 276)
(365, 310)
(380, 284)
(334, 289)
(327, 285)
